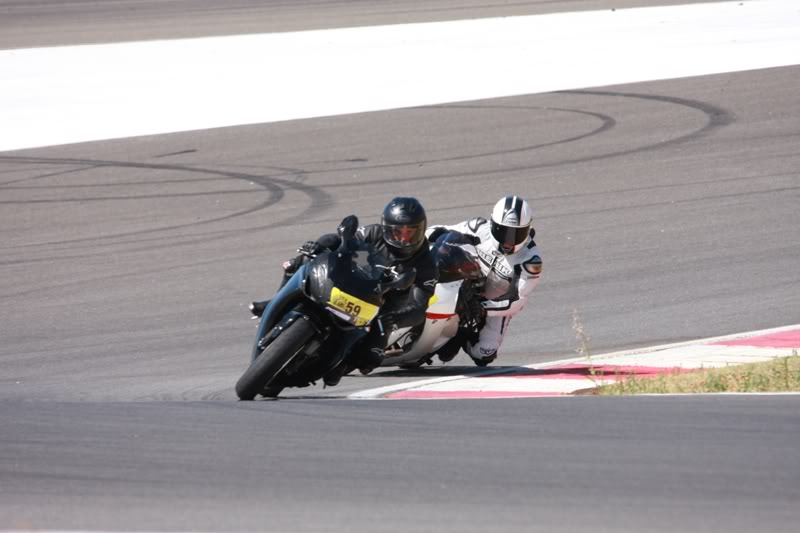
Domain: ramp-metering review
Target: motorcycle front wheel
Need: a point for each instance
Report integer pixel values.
(273, 359)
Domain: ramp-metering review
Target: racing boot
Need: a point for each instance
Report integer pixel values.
(450, 350)
(480, 356)
(367, 355)
(484, 361)
(369, 361)
(334, 376)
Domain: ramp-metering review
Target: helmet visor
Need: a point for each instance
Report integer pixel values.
(509, 237)
(404, 236)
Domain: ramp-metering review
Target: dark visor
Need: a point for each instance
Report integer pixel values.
(509, 236)
(404, 236)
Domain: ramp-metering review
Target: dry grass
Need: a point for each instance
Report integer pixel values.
(779, 375)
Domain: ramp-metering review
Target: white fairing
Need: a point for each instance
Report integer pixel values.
(445, 298)
(441, 325)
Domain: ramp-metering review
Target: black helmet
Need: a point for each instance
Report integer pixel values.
(404, 223)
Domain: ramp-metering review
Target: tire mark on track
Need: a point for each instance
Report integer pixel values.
(5, 185)
(107, 185)
(716, 118)
(321, 200)
(606, 123)
(123, 198)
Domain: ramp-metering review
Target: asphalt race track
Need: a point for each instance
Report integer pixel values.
(630, 464)
(65, 22)
(665, 211)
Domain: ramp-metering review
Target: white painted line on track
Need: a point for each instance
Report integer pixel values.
(567, 378)
(71, 94)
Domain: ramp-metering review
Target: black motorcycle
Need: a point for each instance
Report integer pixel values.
(313, 322)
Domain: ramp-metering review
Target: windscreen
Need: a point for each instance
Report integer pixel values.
(367, 264)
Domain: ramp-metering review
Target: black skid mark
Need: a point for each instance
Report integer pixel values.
(44, 176)
(320, 199)
(171, 154)
(716, 118)
(5, 187)
(606, 123)
(119, 198)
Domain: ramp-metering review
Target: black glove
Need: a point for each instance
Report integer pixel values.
(290, 266)
(348, 223)
(471, 311)
(476, 310)
(435, 234)
(310, 248)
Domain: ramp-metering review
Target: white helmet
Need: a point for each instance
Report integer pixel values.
(511, 224)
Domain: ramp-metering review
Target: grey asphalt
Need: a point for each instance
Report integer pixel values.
(35, 23)
(557, 464)
(665, 211)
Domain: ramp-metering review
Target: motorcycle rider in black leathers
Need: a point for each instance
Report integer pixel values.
(401, 238)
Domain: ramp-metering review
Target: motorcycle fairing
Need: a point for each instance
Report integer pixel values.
(443, 303)
(289, 294)
(351, 309)
(338, 278)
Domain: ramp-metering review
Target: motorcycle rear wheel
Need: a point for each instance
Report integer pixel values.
(273, 359)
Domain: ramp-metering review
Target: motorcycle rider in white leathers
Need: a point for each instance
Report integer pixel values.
(511, 263)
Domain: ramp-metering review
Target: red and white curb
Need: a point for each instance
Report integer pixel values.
(565, 377)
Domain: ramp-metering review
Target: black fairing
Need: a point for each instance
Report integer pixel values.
(355, 269)
(289, 295)
(356, 272)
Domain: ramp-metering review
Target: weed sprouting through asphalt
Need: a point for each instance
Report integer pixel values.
(584, 345)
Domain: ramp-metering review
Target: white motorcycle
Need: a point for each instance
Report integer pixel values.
(454, 313)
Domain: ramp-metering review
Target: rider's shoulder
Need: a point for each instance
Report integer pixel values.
(425, 255)
(427, 269)
(530, 249)
(425, 260)
(530, 258)
(475, 223)
(372, 233)
(532, 244)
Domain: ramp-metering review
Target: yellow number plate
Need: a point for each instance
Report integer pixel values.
(359, 311)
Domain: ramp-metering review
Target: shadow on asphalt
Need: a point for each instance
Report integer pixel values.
(444, 371)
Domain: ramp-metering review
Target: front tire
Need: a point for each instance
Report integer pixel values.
(273, 359)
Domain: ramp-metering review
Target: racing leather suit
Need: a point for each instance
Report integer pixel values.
(509, 281)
